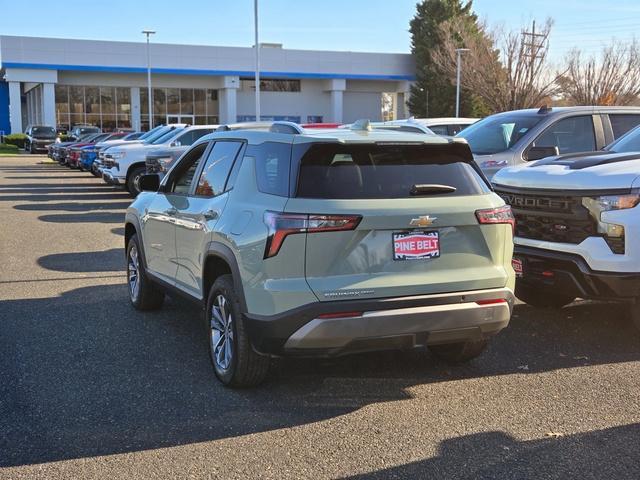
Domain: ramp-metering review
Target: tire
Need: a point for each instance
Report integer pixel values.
(133, 186)
(144, 295)
(542, 297)
(234, 361)
(459, 352)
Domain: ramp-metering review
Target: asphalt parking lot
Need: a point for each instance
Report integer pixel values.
(91, 388)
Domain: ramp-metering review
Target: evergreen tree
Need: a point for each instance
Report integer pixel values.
(433, 90)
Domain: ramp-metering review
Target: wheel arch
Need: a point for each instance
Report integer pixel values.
(132, 167)
(131, 228)
(220, 260)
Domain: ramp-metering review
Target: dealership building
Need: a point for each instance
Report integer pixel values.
(64, 82)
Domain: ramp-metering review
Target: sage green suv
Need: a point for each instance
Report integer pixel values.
(325, 242)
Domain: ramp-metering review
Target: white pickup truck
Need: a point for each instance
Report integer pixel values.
(577, 225)
(123, 165)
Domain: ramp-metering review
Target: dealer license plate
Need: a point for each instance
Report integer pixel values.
(416, 245)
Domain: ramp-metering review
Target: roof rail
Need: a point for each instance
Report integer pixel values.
(286, 127)
(363, 124)
(245, 126)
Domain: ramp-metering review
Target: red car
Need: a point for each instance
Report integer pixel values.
(75, 150)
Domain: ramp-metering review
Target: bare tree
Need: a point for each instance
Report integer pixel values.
(507, 70)
(612, 78)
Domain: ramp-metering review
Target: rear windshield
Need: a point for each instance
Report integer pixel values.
(385, 171)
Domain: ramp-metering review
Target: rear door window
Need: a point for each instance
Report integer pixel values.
(570, 135)
(384, 171)
(439, 129)
(622, 123)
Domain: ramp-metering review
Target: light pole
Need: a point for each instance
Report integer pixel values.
(257, 47)
(148, 33)
(459, 51)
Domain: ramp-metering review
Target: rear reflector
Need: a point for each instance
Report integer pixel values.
(340, 315)
(496, 216)
(492, 301)
(281, 225)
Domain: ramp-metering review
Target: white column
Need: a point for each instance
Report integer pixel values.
(228, 100)
(15, 108)
(336, 88)
(49, 104)
(337, 101)
(135, 108)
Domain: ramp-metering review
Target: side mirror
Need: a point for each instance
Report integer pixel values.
(536, 153)
(176, 143)
(149, 182)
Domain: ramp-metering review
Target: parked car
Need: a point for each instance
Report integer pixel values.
(73, 151)
(38, 138)
(79, 131)
(578, 225)
(447, 126)
(103, 146)
(520, 136)
(125, 164)
(88, 153)
(323, 243)
(59, 151)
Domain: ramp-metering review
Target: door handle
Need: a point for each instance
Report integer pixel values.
(210, 214)
(171, 211)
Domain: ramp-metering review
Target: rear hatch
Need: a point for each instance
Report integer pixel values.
(398, 220)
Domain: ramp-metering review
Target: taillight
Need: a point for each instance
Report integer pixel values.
(491, 301)
(281, 225)
(497, 215)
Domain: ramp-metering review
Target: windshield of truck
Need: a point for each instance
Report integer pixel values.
(167, 136)
(156, 135)
(151, 133)
(44, 132)
(498, 133)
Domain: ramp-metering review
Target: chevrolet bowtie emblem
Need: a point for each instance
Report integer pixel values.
(423, 221)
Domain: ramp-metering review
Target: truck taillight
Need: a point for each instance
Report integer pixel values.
(497, 215)
(281, 225)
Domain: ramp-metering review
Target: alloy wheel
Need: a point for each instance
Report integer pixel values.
(133, 272)
(221, 333)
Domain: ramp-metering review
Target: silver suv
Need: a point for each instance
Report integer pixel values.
(510, 139)
(325, 243)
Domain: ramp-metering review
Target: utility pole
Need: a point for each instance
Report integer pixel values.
(534, 46)
(149, 33)
(257, 47)
(459, 51)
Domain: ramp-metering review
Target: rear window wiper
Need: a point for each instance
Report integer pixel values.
(430, 189)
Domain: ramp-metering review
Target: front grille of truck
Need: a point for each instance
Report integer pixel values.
(550, 218)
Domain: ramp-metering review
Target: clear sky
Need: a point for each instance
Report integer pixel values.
(358, 25)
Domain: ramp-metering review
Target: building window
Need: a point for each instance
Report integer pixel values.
(270, 85)
(106, 107)
(314, 119)
(388, 106)
(197, 106)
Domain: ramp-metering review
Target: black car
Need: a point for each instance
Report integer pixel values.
(39, 137)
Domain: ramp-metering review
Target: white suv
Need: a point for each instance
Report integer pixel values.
(577, 225)
(125, 164)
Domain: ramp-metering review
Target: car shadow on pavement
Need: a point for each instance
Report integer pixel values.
(500, 456)
(72, 207)
(84, 374)
(91, 217)
(52, 195)
(105, 261)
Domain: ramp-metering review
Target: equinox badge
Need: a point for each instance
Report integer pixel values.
(422, 221)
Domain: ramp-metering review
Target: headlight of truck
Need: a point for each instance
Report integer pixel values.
(117, 155)
(165, 163)
(613, 234)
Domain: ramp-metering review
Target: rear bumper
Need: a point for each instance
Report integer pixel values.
(391, 323)
(570, 274)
